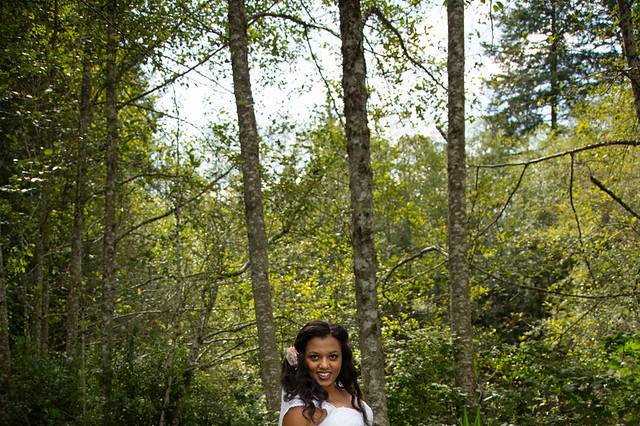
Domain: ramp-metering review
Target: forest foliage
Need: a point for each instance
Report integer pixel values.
(552, 203)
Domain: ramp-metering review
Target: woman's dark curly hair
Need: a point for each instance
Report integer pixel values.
(296, 381)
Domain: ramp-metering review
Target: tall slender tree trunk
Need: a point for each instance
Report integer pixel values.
(39, 277)
(5, 349)
(631, 53)
(169, 412)
(40, 327)
(553, 65)
(252, 187)
(109, 239)
(460, 305)
(43, 283)
(77, 234)
(354, 86)
(44, 294)
(209, 300)
(25, 299)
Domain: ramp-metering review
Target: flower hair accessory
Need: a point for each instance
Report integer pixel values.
(292, 356)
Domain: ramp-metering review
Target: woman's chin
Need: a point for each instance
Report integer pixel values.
(325, 383)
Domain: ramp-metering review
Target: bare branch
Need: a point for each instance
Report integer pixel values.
(559, 337)
(615, 198)
(176, 208)
(583, 249)
(293, 19)
(167, 115)
(554, 292)
(324, 80)
(443, 133)
(234, 329)
(377, 12)
(412, 258)
(173, 78)
(506, 204)
(157, 175)
(559, 154)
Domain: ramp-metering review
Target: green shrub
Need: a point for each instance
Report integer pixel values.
(43, 389)
(539, 383)
(420, 384)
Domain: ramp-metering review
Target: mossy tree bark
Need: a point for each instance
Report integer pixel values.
(109, 237)
(460, 305)
(254, 214)
(630, 45)
(357, 134)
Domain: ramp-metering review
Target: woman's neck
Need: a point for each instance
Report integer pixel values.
(334, 394)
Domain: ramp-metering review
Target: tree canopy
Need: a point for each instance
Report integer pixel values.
(127, 266)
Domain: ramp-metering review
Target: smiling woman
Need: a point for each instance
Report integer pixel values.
(319, 380)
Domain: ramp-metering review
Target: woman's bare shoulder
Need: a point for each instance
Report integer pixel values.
(295, 417)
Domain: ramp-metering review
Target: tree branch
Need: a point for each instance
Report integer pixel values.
(168, 115)
(559, 337)
(615, 198)
(583, 249)
(443, 133)
(412, 258)
(157, 175)
(559, 154)
(377, 12)
(293, 19)
(554, 292)
(173, 78)
(176, 208)
(322, 77)
(506, 204)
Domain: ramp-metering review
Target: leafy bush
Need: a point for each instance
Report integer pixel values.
(46, 391)
(43, 389)
(420, 384)
(539, 383)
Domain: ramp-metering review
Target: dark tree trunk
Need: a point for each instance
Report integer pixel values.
(169, 413)
(630, 50)
(460, 307)
(5, 350)
(361, 187)
(553, 66)
(252, 187)
(44, 294)
(209, 300)
(77, 234)
(40, 326)
(109, 239)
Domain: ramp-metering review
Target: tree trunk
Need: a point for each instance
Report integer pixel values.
(553, 66)
(630, 49)
(25, 299)
(361, 187)
(109, 241)
(45, 295)
(252, 187)
(40, 327)
(460, 305)
(5, 349)
(77, 235)
(169, 412)
(209, 300)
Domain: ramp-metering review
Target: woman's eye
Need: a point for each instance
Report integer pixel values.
(333, 357)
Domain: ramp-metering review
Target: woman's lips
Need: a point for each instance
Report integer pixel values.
(324, 375)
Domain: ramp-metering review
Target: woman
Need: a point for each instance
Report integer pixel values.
(319, 380)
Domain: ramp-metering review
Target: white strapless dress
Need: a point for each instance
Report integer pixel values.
(336, 416)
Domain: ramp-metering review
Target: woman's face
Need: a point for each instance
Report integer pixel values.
(323, 357)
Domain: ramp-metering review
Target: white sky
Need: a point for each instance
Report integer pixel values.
(201, 100)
